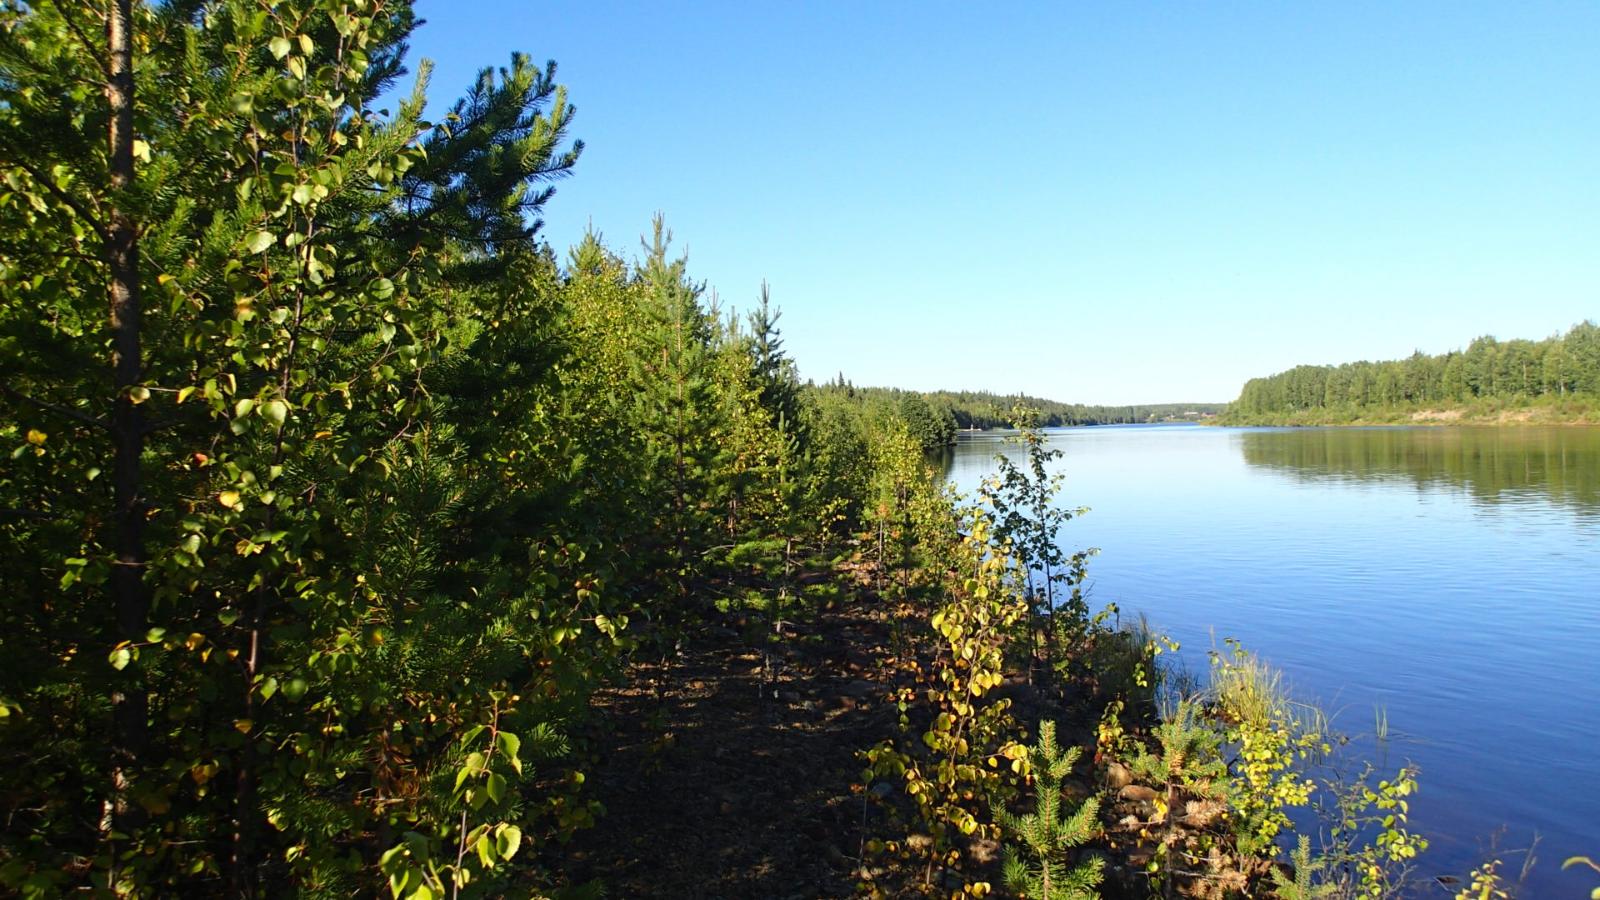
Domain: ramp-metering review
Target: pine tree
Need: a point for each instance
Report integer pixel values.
(675, 406)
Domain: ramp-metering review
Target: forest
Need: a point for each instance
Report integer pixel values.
(355, 542)
(1556, 379)
(980, 410)
(935, 416)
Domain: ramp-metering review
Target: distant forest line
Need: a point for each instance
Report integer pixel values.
(1556, 379)
(936, 416)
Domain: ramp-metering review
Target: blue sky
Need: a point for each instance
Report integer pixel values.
(1100, 203)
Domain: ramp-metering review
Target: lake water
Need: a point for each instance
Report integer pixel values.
(1450, 576)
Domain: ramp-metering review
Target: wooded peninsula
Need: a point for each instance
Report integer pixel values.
(1494, 382)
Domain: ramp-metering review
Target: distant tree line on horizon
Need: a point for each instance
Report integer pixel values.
(1517, 370)
(936, 416)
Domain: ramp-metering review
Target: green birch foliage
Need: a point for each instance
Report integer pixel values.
(1028, 516)
(959, 770)
(901, 478)
(836, 464)
(1369, 851)
(1036, 861)
(603, 330)
(933, 426)
(753, 476)
(318, 665)
(1273, 736)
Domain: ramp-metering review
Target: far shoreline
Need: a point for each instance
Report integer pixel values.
(1516, 417)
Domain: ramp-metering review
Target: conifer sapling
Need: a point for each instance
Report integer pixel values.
(1037, 863)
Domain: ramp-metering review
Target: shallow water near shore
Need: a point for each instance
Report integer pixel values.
(1447, 576)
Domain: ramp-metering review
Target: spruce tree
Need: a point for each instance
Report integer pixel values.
(1037, 864)
(774, 371)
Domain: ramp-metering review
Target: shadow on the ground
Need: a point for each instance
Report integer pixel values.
(713, 790)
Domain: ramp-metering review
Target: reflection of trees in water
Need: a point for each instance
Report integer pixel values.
(971, 459)
(1492, 464)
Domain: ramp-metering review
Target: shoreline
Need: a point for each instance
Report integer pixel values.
(1520, 416)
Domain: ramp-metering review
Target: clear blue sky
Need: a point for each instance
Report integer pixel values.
(1101, 203)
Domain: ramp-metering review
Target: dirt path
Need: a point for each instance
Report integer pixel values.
(716, 787)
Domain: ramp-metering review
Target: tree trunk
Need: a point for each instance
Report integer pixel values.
(130, 599)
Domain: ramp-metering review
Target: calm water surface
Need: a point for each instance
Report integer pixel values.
(1448, 575)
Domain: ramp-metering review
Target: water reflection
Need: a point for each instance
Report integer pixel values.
(1560, 465)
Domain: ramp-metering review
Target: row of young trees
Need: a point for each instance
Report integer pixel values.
(1515, 371)
(332, 492)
